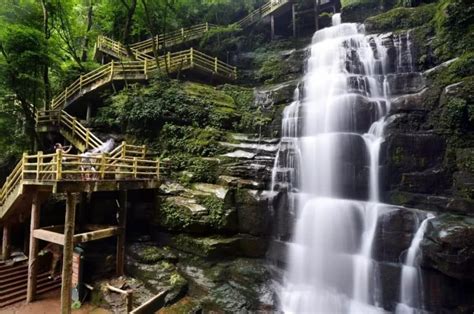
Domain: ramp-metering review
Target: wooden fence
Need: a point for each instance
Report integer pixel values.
(261, 12)
(140, 70)
(68, 167)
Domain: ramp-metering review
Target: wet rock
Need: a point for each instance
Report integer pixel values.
(253, 210)
(448, 246)
(276, 94)
(395, 231)
(405, 83)
(409, 103)
(219, 246)
(431, 181)
(235, 286)
(412, 153)
(157, 277)
(431, 202)
(240, 183)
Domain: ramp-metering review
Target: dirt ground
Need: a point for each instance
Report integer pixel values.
(49, 303)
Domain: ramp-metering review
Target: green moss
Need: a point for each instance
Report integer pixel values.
(272, 69)
(454, 22)
(217, 213)
(190, 140)
(173, 217)
(211, 93)
(204, 170)
(401, 18)
(215, 246)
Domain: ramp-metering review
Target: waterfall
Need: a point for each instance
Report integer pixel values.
(331, 134)
(410, 286)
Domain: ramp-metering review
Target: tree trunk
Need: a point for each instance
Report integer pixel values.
(47, 88)
(85, 41)
(128, 23)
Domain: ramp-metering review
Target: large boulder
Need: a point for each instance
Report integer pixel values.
(448, 246)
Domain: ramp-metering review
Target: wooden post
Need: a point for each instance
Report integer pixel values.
(88, 135)
(124, 149)
(207, 26)
(59, 157)
(38, 166)
(158, 169)
(33, 254)
(272, 24)
(215, 64)
(65, 97)
(122, 222)
(102, 166)
(191, 57)
(135, 164)
(168, 56)
(24, 161)
(111, 70)
(74, 121)
(67, 254)
(144, 151)
(293, 18)
(182, 32)
(89, 112)
(145, 67)
(6, 241)
(80, 83)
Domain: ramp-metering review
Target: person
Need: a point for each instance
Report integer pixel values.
(57, 253)
(64, 149)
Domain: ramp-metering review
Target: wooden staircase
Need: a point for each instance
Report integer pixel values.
(265, 10)
(13, 282)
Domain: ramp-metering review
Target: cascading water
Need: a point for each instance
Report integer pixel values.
(331, 134)
(410, 287)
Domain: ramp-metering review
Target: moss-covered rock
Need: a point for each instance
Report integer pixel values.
(400, 18)
(221, 247)
(359, 10)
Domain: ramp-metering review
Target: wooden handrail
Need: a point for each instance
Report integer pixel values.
(262, 12)
(118, 70)
(68, 167)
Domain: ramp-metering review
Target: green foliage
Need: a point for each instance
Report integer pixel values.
(25, 53)
(190, 140)
(217, 213)
(401, 18)
(271, 68)
(204, 170)
(454, 22)
(174, 217)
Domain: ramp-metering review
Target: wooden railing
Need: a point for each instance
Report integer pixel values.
(87, 139)
(116, 70)
(172, 38)
(51, 168)
(261, 12)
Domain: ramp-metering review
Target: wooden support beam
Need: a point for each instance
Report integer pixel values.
(49, 236)
(89, 112)
(33, 253)
(122, 222)
(97, 235)
(6, 241)
(67, 254)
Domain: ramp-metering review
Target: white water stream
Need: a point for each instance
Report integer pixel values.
(410, 287)
(330, 260)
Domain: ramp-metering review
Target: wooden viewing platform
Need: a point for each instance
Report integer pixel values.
(63, 173)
